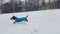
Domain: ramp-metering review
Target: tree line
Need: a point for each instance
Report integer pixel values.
(30, 5)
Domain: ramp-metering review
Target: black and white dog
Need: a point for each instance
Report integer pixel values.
(19, 19)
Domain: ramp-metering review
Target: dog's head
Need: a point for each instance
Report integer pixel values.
(13, 18)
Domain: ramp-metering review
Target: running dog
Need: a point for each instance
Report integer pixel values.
(19, 19)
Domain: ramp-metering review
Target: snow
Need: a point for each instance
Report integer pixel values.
(40, 22)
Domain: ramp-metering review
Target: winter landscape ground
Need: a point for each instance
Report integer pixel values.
(40, 22)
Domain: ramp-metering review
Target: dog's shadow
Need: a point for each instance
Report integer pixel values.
(21, 22)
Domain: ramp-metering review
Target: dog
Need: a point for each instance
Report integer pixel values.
(19, 19)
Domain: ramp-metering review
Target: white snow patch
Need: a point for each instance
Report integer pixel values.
(40, 22)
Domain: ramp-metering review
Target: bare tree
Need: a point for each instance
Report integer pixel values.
(1, 2)
(31, 5)
(58, 3)
(43, 4)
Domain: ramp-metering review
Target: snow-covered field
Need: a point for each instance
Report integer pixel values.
(40, 22)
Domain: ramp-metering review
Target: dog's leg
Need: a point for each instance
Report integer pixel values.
(26, 20)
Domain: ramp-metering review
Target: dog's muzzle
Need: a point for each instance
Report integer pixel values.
(10, 18)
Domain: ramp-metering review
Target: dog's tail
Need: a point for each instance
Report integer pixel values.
(27, 15)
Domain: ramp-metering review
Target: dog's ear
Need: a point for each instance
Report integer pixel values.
(10, 18)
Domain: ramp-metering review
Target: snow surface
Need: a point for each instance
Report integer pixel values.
(40, 22)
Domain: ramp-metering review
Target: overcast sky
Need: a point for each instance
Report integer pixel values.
(23, 0)
(9, 0)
